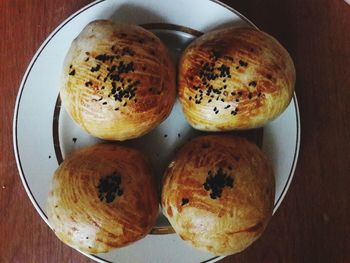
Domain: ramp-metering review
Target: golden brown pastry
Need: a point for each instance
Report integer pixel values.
(218, 193)
(118, 81)
(102, 197)
(235, 78)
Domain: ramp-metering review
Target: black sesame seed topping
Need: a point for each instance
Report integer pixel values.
(104, 103)
(74, 140)
(97, 68)
(72, 73)
(252, 84)
(216, 182)
(243, 63)
(109, 187)
(184, 201)
(224, 71)
(89, 83)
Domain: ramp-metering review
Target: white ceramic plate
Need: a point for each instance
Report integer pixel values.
(44, 134)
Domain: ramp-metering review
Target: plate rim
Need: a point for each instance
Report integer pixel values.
(19, 96)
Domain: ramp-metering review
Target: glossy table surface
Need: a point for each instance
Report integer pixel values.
(311, 225)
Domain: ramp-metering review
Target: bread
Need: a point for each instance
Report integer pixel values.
(118, 81)
(102, 197)
(234, 79)
(218, 193)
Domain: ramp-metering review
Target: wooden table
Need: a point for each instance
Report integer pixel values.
(312, 224)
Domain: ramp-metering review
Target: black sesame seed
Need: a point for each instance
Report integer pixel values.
(97, 68)
(116, 109)
(89, 83)
(72, 73)
(165, 135)
(184, 201)
(243, 63)
(74, 140)
(228, 106)
(252, 84)
(104, 103)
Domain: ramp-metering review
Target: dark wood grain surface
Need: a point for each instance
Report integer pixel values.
(312, 224)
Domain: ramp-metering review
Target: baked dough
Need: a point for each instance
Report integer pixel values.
(218, 193)
(234, 79)
(118, 81)
(102, 197)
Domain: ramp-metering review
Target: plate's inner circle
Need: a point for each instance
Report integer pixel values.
(160, 144)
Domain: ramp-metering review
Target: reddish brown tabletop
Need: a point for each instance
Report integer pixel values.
(311, 225)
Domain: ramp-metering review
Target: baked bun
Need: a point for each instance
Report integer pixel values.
(218, 193)
(118, 81)
(235, 78)
(102, 197)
